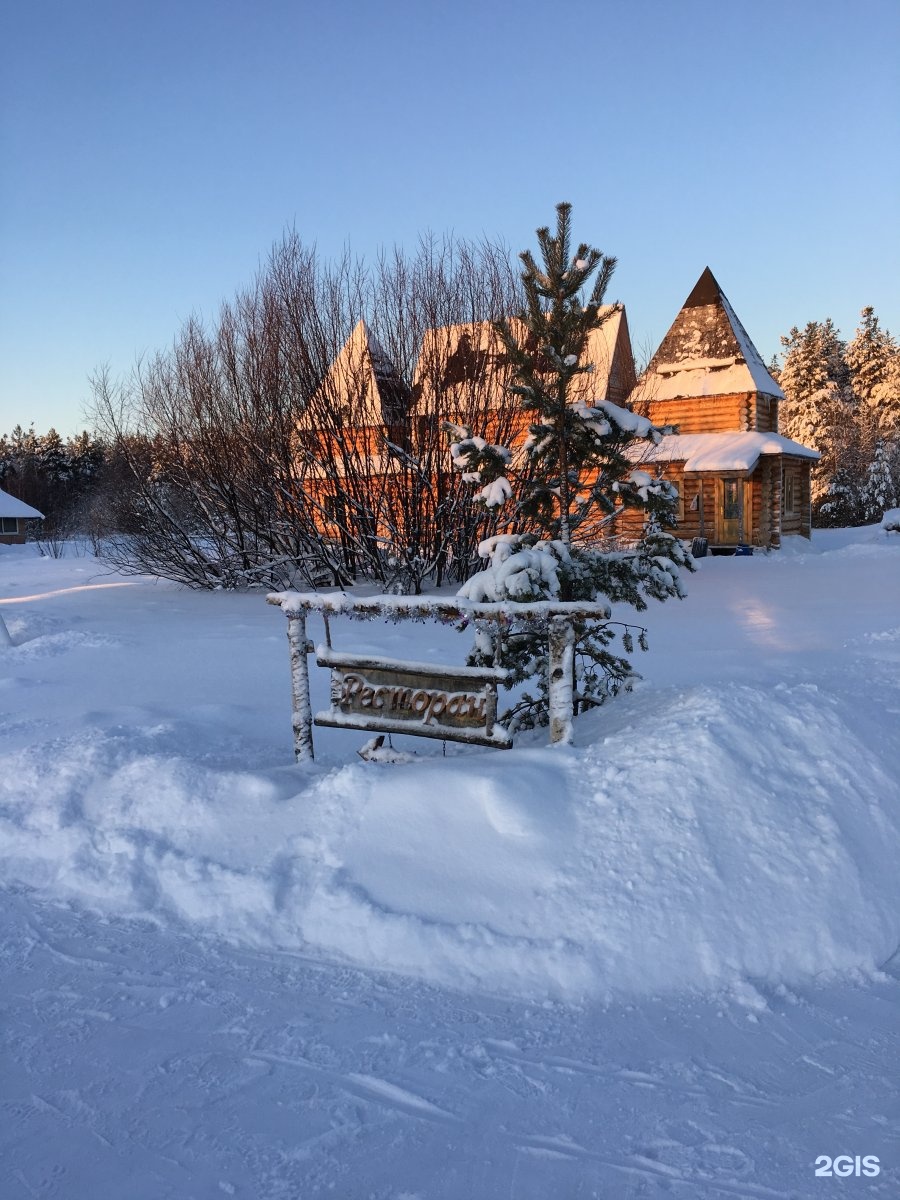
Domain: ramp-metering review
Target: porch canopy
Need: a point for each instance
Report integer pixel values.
(722, 452)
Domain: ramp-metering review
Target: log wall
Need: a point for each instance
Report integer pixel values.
(739, 412)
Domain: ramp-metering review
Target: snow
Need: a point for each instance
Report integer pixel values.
(657, 962)
(696, 364)
(695, 374)
(891, 520)
(626, 420)
(495, 494)
(723, 451)
(611, 868)
(762, 380)
(331, 658)
(10, 506)
(515, 572)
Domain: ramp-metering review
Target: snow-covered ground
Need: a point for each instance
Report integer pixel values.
(658, 963)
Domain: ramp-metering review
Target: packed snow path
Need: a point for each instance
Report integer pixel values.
(143, 1063)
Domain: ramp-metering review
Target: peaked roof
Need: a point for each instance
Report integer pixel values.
(609, 349)
(706, 291)
(363, 383)
(707, 351)
(454, 356)
(12, 507)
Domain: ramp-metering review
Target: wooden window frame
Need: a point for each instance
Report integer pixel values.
(790, 493)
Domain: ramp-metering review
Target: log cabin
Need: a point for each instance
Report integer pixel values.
(14, 518)
(740, 482)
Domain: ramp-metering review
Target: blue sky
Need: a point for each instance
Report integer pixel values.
(153, 152)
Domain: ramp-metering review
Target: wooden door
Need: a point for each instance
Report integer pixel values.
(733, 511)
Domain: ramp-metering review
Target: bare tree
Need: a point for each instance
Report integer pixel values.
(299, 439)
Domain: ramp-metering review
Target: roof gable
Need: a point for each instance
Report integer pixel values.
(454, 358)
(609, 349)
(10, 506)
(362, 385)
(707, 351)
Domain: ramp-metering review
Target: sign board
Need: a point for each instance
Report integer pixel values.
(382, 695)
(459, 704)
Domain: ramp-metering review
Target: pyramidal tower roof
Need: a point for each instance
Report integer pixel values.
(707, 351)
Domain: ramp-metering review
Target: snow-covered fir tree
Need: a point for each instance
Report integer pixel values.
(54, 459)
(885, 401)
(843, 504)
(880, 491)
(873, 359)
(818, 408)
(578, 466)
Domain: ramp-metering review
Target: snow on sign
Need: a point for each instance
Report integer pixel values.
(384, 695)
(389, 696)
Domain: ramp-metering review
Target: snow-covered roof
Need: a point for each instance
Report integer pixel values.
(707, 352)
(458, 355)
(609, 350)
(454, 357)
(363, 380)
(723, 451)
(11, 507)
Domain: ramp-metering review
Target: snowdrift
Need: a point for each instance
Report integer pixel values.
(703, 837)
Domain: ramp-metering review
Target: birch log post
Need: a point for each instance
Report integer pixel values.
(560, 684)
(301, 710)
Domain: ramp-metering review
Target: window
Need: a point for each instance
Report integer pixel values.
(9, 525)
(679, 503)
(790, 505)
(731, 500)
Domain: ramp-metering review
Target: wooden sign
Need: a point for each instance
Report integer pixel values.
(383, 695)
(387, 696)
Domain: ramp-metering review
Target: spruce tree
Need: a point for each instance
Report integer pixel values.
(885, 402)
(843, 504)
(818, 408)
(880, 491)
(578, 467)
(873, 358)
(868, 356)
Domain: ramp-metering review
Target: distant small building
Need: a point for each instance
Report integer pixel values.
(739, 480)
(14, 515)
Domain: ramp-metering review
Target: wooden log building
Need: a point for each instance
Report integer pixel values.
(741, 483)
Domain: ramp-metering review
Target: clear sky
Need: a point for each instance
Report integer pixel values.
(152, 152)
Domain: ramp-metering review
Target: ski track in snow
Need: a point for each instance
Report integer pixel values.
(193, 1070)
(144, 1057)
